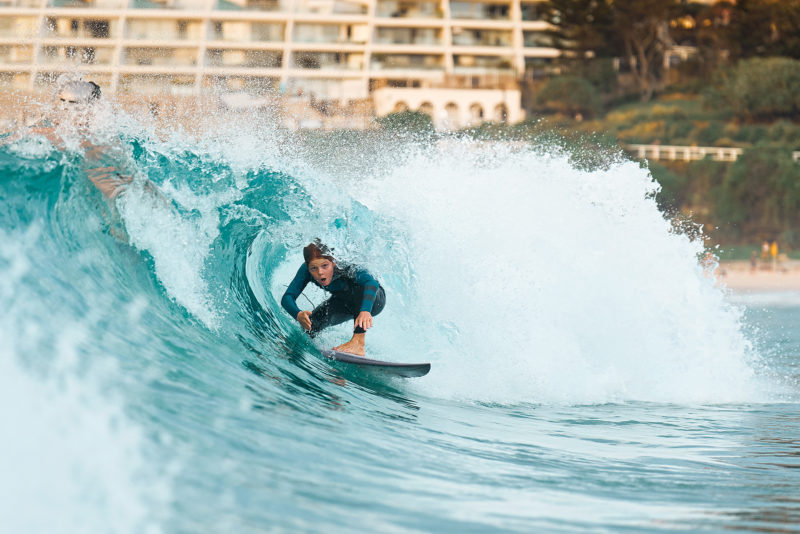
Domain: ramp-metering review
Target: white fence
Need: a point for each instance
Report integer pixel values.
(690, 153)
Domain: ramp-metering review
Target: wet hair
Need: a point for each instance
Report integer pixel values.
(79, 92)
(316, 250)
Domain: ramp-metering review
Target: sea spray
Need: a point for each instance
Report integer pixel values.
(72, 460)
(563, 285)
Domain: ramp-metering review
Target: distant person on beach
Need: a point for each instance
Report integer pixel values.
(773, 252)
(355, 295)
(753, 261)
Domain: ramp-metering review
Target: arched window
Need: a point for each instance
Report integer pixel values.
(400, 106)
(451, 115)
(427, 108)
(501, 113)
(475, 113)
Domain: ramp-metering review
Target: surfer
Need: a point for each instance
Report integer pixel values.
(355, 294)
(78, 97)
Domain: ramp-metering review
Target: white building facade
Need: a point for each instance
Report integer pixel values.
(334, 49)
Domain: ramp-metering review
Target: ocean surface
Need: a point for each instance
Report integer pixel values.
(586, 375)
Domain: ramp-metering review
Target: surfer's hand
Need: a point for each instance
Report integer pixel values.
(304, 317)
(364, 320)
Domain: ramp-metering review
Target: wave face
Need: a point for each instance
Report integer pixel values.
(147, 359)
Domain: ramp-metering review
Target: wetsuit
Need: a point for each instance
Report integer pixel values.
(352, 291)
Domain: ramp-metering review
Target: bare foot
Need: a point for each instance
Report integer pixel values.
(354, 346)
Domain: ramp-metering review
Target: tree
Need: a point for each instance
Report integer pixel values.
(764, 88)
(569, 94)
(582, 28)
(642, 27)
(637, 30)
(765, 28)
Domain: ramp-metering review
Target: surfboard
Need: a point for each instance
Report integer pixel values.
(405, 370)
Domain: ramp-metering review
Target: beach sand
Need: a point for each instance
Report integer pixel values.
(739, 277)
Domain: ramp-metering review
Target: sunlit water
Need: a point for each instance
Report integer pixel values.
(587, 377)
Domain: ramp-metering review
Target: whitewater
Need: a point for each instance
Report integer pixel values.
(587, 374)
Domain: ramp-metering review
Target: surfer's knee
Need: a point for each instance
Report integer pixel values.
(380, 302)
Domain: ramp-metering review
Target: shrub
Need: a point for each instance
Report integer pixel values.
(413, 123)
(569, 94)
(761, 193)
(763, 88)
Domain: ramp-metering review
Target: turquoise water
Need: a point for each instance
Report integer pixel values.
(587, 377)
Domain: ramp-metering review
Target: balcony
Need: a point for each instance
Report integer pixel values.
(480, 11)
(156, 84)
(328, 60)
(246, 32)
(330, 33)
(18, 27)
(160, 57)
(95, 4)
(469, 64)
(407, 62)
(409, 9)
(531, 11)
(84, 55)
(21, 3)
(16, 54)
(72, 28)
(188, 5)
(331, 7)
(470, 37)
(408, 36)
(252, 5)
(164, 30)
(262, 59)
(537, 39)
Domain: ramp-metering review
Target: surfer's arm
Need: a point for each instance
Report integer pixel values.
(363, 278)
(289, 299)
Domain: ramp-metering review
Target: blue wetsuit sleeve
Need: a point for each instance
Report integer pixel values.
(363, 278)
(301, 280)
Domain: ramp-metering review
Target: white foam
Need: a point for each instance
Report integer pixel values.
(179, 244)
(538, 282)
(71, 460)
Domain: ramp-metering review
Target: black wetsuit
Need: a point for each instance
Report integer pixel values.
(352, 291)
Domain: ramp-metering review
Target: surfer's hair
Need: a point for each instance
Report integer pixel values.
(316, 250)
(79, 92)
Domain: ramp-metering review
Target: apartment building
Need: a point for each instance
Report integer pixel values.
(466, 56)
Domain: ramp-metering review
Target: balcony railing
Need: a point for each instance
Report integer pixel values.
(96, 4)
(160, 57)
(481, 37)
(479, 11)
(21, 3)
(406, 61)
(416, 11)
(263, 59)
(328, 60)
(85, 55)
(246, 32)
(408, 36)
(149, 30)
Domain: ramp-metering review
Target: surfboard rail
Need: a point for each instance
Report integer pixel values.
(405, 370)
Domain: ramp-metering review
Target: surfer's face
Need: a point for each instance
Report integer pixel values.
(322, 270)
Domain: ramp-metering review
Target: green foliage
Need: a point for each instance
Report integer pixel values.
(763, 88)
(760, 196)
(408, 123)
(569, 94)
(764, 28)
